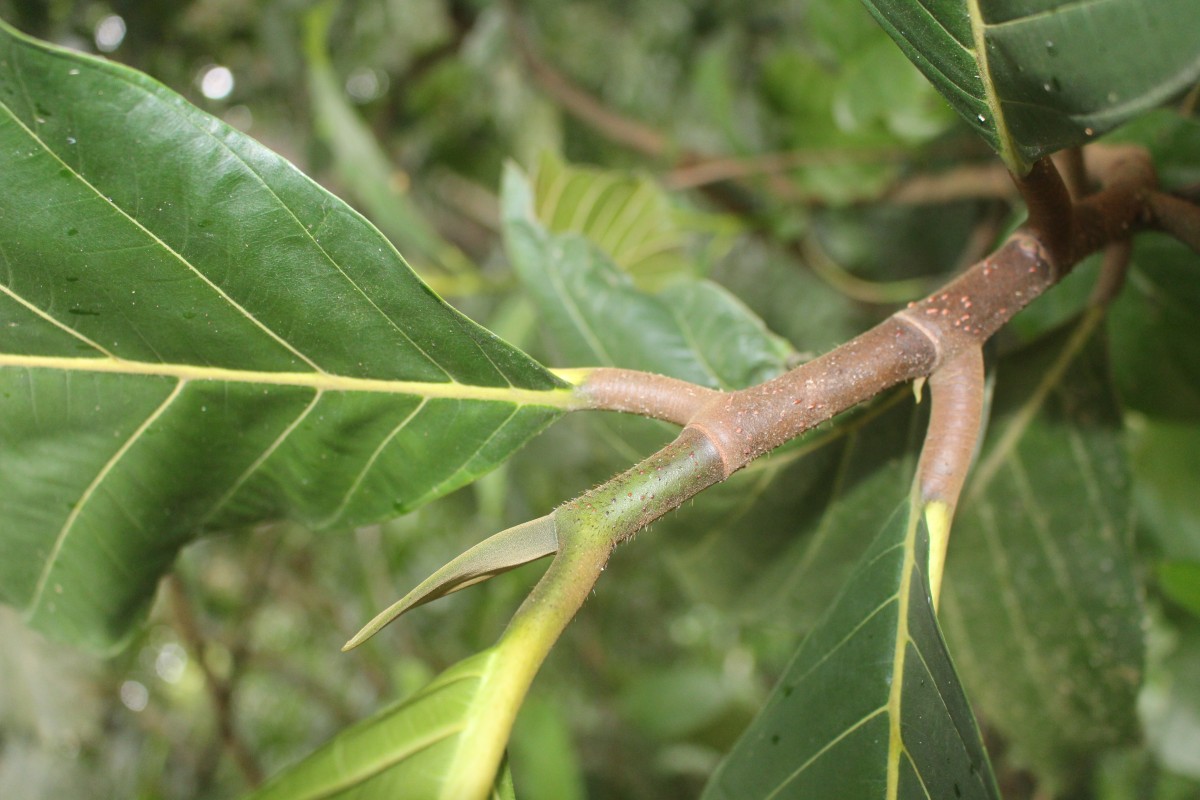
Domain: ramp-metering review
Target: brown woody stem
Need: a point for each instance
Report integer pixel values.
(1071, 167)
(1113, 270)
(1177, 217)
(1049, 203)
(940, 336)
(644, 393)
(915, 342)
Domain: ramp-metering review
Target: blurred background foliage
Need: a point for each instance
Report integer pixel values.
(786, 151)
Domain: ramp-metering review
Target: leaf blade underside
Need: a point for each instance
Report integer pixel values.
(194, 336)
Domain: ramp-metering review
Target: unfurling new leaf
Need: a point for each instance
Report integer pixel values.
(497, 554)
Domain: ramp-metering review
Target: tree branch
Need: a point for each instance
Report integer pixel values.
(1177, 217)
(914, 342)
(643, 393)
(954, 426)
(1050, 210)
(629, 132)
(219, 691)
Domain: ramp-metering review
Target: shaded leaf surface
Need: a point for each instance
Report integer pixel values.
(1040, 600)
(1165, 463)
(194, 336)
(1035, 76)
(1154, 324)
(870, 706)
(692, 329)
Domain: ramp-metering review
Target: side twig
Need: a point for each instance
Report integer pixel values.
(219, 691)
(916, 341)
(955, 425)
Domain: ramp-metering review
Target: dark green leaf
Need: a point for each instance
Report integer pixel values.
(870, 706)
(1166, 461)
(1035, 76)
(1040, 601)
(692, 329)
(1155, 323)
(1180, 580)
(194, 336)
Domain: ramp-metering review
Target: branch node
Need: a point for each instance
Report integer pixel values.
(910, 318)
(1051, 215)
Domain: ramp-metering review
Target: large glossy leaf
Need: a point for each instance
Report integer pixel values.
(1035, 76)
(870, 706)
(691, 329)
(194, 336)
(1041, 604)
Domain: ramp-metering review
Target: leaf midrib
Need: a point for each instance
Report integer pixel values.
(265, 185)
(154, 238)
(561, 398)
(1003, 138)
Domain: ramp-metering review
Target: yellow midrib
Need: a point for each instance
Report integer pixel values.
(979, 34)
(563, 398)
(895, 700)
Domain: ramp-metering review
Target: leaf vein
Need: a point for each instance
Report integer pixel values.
(817, 755)
(90, 492)
(166, 248)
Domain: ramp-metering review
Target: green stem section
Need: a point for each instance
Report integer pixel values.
(588, 529)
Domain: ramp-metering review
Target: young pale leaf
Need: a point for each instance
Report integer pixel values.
(1028, 75)
(870, 706)
(692, 329)
(506, 550)
(406, 751)
(627, 216)
(195, 336)
(1041, 603)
